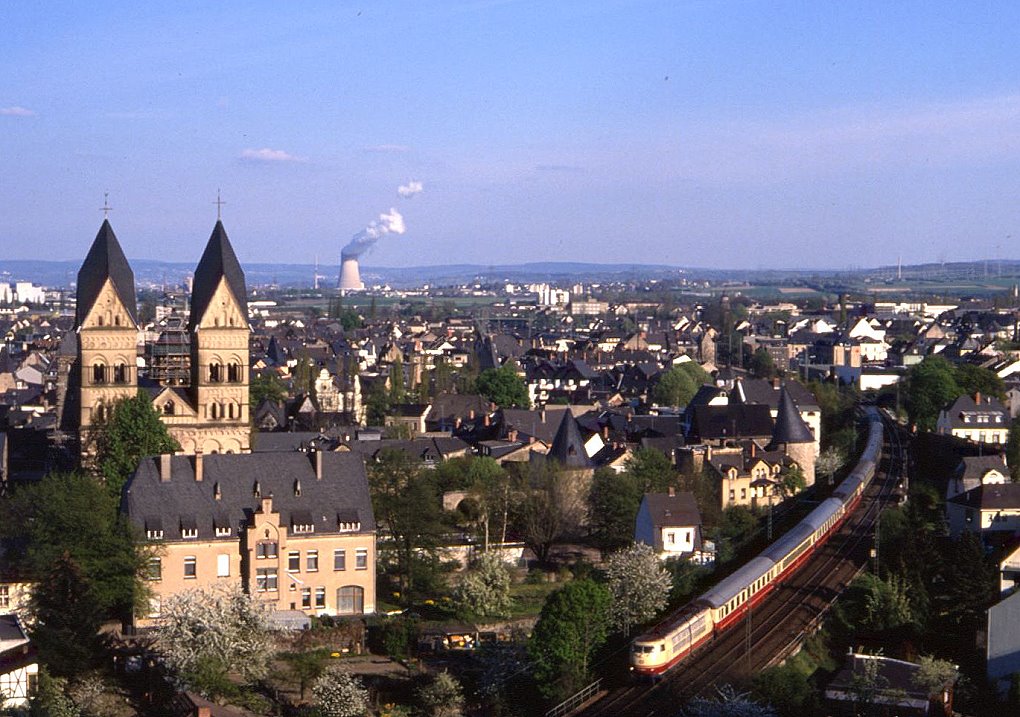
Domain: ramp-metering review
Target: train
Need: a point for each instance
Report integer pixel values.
(673, 639)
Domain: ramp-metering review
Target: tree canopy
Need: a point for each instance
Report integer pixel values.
(639, 585)
(266, 386)
(677, 386)
(503, 387)
(132, 432)
(573, 624)
(612, 508)
(935, 382)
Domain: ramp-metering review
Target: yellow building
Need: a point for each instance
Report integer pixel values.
(295, 530)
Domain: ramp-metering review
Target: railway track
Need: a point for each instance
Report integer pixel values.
(783, 619)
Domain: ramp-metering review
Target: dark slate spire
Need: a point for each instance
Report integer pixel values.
(105, 260)
(790, 427)
(567, 446)
(218, 261)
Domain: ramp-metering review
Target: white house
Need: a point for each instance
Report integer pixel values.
(979, 418)
(18, 666)
(670, 523)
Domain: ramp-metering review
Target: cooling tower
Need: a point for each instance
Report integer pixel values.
(350, 276)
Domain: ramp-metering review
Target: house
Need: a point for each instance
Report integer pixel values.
(886, 683)
(747, 474)
(295, 530)
(977, 470)
(670, 523)
(19, 668)
(992, 510)
(981, 419)
(1003, 648)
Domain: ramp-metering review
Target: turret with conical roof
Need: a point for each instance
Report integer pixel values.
(793, 436)
(568, 446)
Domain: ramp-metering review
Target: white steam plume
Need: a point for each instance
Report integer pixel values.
(410, 189)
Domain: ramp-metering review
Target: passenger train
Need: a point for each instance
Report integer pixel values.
(674, 638)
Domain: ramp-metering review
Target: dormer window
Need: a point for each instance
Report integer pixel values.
(154, 534)
(303, 528)
(223, 531)
(257, 490)
(189, 533)
(168, 408)
(153, 528)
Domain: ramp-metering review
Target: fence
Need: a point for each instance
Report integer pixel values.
(573, 702)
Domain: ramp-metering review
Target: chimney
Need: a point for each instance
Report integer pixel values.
(977, 397)
(776, 383)
(318, 465)
(471, 415)
(541, 415)
(164, 467)
(672, 492)
(605, 432)
(708, 453)
(754, 449)
(512, 435)
(198, 466)
(203, 712)
(487, 420)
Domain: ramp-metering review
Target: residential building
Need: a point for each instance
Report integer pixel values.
(670, 523)
(294, 529)
(977, 418)
(19, 667)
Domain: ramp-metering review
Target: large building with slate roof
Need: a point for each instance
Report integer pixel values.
(207, 415)
(294, 529)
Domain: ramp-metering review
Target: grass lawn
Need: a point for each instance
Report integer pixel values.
(529, 598)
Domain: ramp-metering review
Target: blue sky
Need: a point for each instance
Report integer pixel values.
(736, 134)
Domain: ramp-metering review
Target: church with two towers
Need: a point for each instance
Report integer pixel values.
(207, 415)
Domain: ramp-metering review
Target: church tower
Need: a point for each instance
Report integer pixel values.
(219, 353)
(106, 325)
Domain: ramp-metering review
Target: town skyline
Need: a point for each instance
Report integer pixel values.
(771, 135)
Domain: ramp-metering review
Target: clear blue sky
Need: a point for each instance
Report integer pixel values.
(740, 134)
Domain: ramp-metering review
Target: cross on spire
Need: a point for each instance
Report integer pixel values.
(219, 204)
(106, 208)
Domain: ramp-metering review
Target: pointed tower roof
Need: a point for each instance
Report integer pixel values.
(218, 261)
(567, 446)
(105, 260)
(790, 427)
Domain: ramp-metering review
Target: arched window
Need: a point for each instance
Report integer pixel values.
(120, 373)
(100, 412)
(214, 410)
(168, 408)
(98, 373)
(215, 372)
(234, 372)
(350, 600)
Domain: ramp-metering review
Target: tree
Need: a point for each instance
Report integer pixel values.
(377, 405)
(485, 589)
(338, 693)
(874, 605)
(829, 461)
(398, 392)
(305, 666)
(931, 385)
(442, 696)
(73, 514)
(503, 387)
(486, 484)
(573, 624)
(132, 432)
(934, 675)
(791, 480)
(408, 505)
(1013, 451)
(976, 379)
(674, 388)
(66, 619)
(761, 364)
(727, 703)
(786, 688)
(547, 508)
(51, 698)
(969, 586)
(206, 633)
(639, 585)
(651, 470)
(612, 508)
(266, 386)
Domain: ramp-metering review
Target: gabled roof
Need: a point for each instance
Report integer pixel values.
(218, 261)
(568, 446)
(790, 427)
(105, 260)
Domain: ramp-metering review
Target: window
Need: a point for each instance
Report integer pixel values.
(223, 531)
(98, 373)
(312, 561)
(154, 571)
(154, 534)
(214, 373)
(5, 596)
(350, 600)
(671, 537)
(168, 408)
(266, 580)
(361, 559)
(190, 566)
(294, 561)
(223, 566)
(120, 373)
(265, 549)
(155, 606)
(339, 559)
(320, 597)
(306, 597)
(189, 533)
(302, 527)
(234, 373)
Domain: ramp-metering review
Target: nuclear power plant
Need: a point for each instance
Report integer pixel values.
(350, 274)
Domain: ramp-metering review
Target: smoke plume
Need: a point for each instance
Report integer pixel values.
(391, 222)
(410, 189)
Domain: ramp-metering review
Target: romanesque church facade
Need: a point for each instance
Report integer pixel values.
(210, 414)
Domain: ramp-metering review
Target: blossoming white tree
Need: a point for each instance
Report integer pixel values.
(485, 589)
(338, 693)
(639, 585)
(205, 633)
